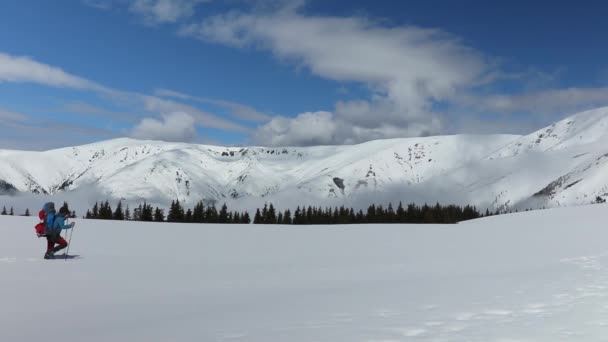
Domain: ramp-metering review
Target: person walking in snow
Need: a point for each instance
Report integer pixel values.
(53, 233)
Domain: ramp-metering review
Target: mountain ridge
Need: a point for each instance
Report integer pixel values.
(498, 172)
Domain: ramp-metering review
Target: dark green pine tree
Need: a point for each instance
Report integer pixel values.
(400, 213)
(159, 216)
(12, 213)
(147, 214)
(27, 212)
(297, 216)
(66, 206)
(127, 213)
(198, 214)
(280, 218)
(4, 211)
(118, 213)
(287, 217)
(309, 216)
(95, 212)
(223, 216)
(176, 212)
(236, 218)
(264, 213)
(272, 215)
(88, 215)
(245, 218)
(172, 215)
(211, 214)
(257, 219)
(390, 214)
(107, 211)
(188, 217)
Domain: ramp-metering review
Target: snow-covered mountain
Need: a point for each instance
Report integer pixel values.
(563, 164)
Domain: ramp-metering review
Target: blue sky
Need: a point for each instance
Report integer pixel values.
(293, 72)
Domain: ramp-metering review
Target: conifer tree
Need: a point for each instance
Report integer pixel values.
(258, 217)
(118, 213)
(297, 216)
(176, 212)
(159, 216)
(287, 217)
(127, 213)
(264, 216)
(65, 207)
(198, 214)
(12, 213)
(146, 214)
(280, 218)
(4, 211)
(95, 213)
(188, 217)
(223, 216)
(272, 215)
(309, 215)
(245, 218)
(211, 214)
(27, 212)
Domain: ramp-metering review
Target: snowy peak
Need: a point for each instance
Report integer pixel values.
(583, 128)
(562, 164)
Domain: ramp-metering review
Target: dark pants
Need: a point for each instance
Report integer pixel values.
(52, 240)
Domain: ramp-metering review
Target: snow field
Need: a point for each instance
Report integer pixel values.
(533, 276)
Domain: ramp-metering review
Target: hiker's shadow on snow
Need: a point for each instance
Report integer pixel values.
(63, 257)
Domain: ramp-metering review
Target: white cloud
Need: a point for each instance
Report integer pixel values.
(163, 106)
(237, 110)
(318, 128)
(164, 11)
(325, 128)
(24, 131)
(407, 69)
(10, 116)
(550, 101)
(99, 4)
(176, 126)
(25, 69)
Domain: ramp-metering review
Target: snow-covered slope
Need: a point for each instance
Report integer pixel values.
(533, 276)
(559, 165)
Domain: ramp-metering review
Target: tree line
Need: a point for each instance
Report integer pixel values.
(11, 212)
(310, 215)
(302, 215)
(177, 213)
(411, 213)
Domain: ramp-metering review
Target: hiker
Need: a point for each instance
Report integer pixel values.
(56, 223)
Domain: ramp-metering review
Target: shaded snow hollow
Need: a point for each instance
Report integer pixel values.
(533, 276)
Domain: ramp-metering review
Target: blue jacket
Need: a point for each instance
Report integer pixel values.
(58, 225)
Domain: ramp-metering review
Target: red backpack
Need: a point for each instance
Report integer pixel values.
(41, 227)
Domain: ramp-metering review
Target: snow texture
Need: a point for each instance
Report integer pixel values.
(532, 276)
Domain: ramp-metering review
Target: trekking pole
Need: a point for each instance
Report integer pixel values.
(67, 251)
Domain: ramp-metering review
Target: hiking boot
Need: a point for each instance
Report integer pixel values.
(49, 255)
(58, 248)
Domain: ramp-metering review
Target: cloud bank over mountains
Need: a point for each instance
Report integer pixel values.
(415, 81)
